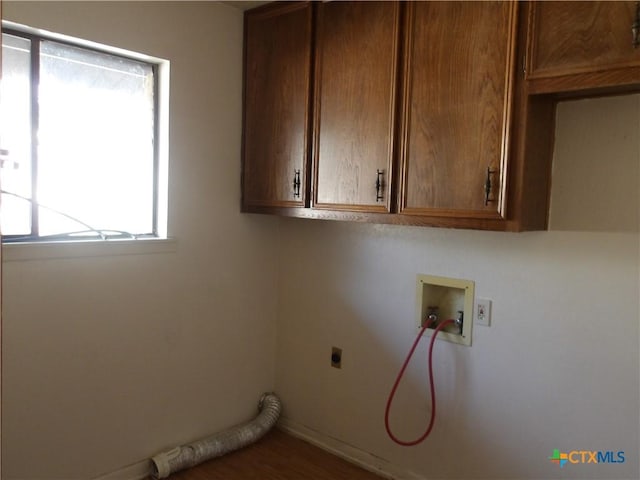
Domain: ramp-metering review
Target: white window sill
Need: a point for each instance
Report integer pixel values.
(20, 252)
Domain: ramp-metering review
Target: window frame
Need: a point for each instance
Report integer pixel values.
(36, 37)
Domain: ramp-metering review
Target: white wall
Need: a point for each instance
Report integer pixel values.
(109, 360)
(558, 368)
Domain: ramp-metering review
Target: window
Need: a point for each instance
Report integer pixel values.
(81, 126)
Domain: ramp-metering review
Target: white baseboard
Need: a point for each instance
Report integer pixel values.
(137, 471)
(352, 454)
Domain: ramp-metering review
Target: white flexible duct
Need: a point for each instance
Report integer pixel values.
(164, 464)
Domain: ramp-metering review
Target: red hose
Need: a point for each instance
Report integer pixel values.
(440, 326)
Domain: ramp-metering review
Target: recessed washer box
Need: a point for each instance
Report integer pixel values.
(449, 296)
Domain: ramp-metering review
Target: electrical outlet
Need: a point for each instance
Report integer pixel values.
(483, 311)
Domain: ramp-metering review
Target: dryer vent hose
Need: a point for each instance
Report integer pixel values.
(186, 456)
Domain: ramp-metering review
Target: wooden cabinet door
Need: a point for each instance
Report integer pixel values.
(355, 89)
(277, 96)
(457, 104)
(581, 37)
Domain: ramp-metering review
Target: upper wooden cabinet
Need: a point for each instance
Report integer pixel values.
(583, 45)
(355, 90)
(416, 113)
(457, 108)
(277, 80)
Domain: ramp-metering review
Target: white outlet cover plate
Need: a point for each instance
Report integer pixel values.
(483, 312)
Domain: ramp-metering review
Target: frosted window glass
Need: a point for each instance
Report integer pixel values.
(95, 141)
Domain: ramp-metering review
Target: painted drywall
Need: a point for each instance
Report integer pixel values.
(595, 173)
(109, 360)
(557, 369)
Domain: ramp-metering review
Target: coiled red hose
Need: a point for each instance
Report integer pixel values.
(436, 330)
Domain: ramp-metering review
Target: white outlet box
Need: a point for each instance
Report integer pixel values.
(483, 312)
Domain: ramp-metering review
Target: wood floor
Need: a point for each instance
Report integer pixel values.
(277, 456)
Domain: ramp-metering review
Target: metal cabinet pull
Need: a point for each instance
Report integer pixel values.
(296, 183)
(379, 185)
(635, 28)
(488, 186)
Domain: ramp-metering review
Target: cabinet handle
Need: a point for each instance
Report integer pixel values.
(635, 27)
(488, 186)
(379, 185)
(296, 183)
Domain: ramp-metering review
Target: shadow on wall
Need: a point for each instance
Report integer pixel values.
(596, 166)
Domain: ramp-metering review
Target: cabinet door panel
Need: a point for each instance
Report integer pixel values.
(579, 37)
(277, 94)
(356, 68)
(458, 75)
